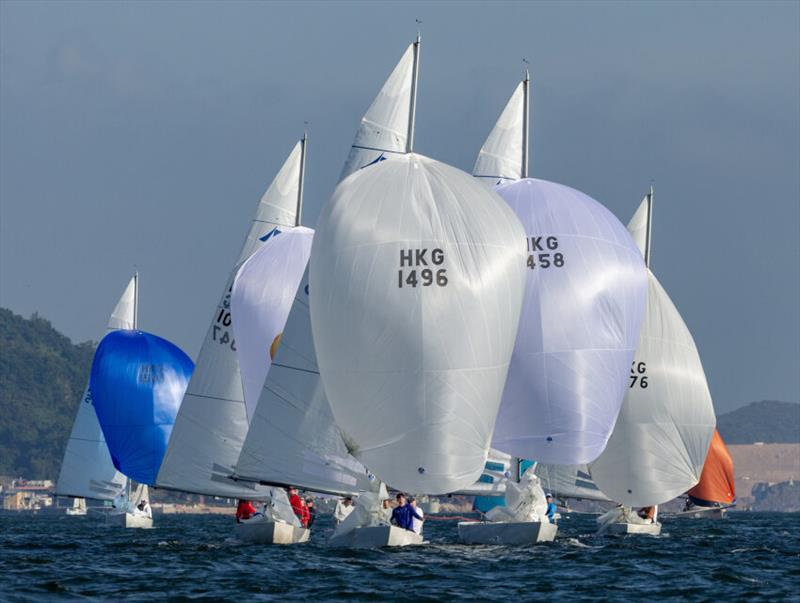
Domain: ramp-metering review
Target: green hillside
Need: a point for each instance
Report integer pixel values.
(767, 421)
(42, 378)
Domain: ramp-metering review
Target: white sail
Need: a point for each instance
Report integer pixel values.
(639, 226)
(260, 302)
(501, 157)
(212, 422)
(293, 439)
(584, 304)
(385, 128)
(569, 481)
(416, 275)
(663, 432)
(87, 470)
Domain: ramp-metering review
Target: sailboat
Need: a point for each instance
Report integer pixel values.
(213, 418)
(87, 470)
(412, 384)
(583, 306)
(293, 439)
(716, 491)
(664, 429)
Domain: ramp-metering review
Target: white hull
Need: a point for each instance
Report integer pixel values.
(619, 529)
(129, 520)
(704, 513)
(508, 533)
(374, 537)
(271, 532)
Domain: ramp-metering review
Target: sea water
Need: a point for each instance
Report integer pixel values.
(748, 556)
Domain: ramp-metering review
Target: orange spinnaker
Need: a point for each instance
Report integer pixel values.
(716, 481)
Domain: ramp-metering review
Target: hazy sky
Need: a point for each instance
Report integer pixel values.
(143, 134)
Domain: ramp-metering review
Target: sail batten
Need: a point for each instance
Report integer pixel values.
(212, 422)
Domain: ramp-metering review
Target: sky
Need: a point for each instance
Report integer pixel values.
(140, 136)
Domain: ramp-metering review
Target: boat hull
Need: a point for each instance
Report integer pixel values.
(271, 532)
(506, 533)
(374, 537)
(76, 512)
(129, 520)
(707, 513)
(621, 529)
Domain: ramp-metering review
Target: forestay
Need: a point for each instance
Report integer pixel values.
(87, 470)
(583, 308)
(212, 421)
(293, 438)
(501, 156)
(137, 382)
(385, 128)
(260, 302)
(664, 429)
(416, 276)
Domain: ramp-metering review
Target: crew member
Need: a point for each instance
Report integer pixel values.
(244, 510)
(298, 506)
(416, 515)
(551, 508)
(312, 511)
(343, 508)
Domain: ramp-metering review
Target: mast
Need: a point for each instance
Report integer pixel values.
(412, 113)
(649, 226)
(299, 212)
(135, 300)
(526, 84)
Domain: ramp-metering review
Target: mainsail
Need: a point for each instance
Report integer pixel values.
(716, 485)
(504, 156)
(293, 438)
(416, 276)
(87, 470)
(584, 303)
(664, 429)
(387, 128)
(138, 380)
(212, 421)
(569, 481)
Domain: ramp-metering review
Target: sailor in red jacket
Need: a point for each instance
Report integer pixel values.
(299, 507)
(245, 510)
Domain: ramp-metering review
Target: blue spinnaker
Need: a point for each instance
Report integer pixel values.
(137, 384)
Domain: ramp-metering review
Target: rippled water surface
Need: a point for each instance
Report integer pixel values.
(753, 556)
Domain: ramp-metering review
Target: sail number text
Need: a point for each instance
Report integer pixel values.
(222, 323)
(542, 252)
(415, 268)
(639, 374)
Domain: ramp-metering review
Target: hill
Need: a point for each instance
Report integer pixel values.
(767, 421)
(42, 378)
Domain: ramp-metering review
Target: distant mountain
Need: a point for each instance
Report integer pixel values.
(767, 421)
(42, 378)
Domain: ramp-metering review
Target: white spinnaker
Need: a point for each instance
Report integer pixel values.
(569, 481)
(664, 429)
(293, 438)
(212, 421)
(500, 157)
(584, 303)
(383, 131)
(87, 470)
(414, 374)
(262, 296)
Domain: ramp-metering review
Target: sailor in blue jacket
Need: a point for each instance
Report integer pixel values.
(404, 514)
(551, 508)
